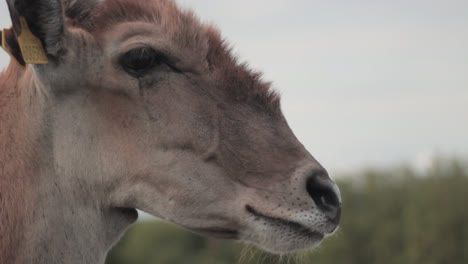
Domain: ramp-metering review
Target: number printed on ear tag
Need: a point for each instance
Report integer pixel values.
(31, 46)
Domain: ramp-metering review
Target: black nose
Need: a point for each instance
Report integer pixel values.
(325, 194)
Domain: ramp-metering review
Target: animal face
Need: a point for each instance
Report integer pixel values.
(150, 105)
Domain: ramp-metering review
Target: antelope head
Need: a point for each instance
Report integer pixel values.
(148, 109)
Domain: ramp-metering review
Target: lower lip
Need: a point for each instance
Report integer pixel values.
(218, 233)
(299, 228)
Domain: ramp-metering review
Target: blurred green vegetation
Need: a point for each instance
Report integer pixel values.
(389, 216)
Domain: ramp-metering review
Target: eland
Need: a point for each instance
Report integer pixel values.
(112, 106)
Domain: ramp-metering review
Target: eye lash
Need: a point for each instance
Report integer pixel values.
(139, 61)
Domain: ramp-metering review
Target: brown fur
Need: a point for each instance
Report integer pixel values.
(16, 167)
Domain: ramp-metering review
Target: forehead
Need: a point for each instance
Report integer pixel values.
(164, 16)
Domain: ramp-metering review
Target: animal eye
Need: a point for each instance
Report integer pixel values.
(138, 61)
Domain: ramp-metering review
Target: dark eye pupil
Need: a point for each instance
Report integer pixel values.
(140, 60)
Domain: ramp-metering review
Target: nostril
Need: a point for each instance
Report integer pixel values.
(325, 195)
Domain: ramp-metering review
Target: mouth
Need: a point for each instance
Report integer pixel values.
(298, 228)
(222, 233)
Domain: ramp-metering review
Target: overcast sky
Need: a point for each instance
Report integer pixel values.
(364, 82)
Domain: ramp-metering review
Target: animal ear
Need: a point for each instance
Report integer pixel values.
(39, 27)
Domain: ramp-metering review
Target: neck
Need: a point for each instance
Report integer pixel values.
(48, 215)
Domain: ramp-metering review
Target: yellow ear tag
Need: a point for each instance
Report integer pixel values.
(31, 46)
(5, 44)
(10, 44)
